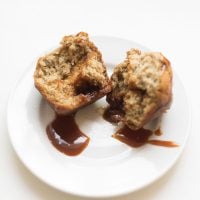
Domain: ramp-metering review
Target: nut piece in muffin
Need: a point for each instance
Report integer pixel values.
(142, 88)
(72, 75)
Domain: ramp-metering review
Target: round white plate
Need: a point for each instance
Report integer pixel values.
(106, 167)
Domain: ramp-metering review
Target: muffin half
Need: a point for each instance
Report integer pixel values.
(142, 88)
(72, 75)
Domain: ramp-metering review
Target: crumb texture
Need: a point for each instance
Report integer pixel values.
(142, 87)
(72, 75)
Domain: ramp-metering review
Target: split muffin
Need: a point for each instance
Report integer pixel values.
(73, 75)
(141, 88)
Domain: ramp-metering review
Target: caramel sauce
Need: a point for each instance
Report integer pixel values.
(134, 138)
(65, 135)
(158, 132)
(163, 143)
(112, 115)
(137, 138)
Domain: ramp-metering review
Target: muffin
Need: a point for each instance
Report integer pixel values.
(141, 88)
(73, 75)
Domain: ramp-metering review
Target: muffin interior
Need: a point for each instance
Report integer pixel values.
(136, 84)
(73, 73)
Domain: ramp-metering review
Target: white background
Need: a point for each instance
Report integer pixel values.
(28, 28)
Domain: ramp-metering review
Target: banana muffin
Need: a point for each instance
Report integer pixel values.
(73, 75)
(141, 88)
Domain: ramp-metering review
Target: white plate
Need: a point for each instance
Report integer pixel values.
(106, 167)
